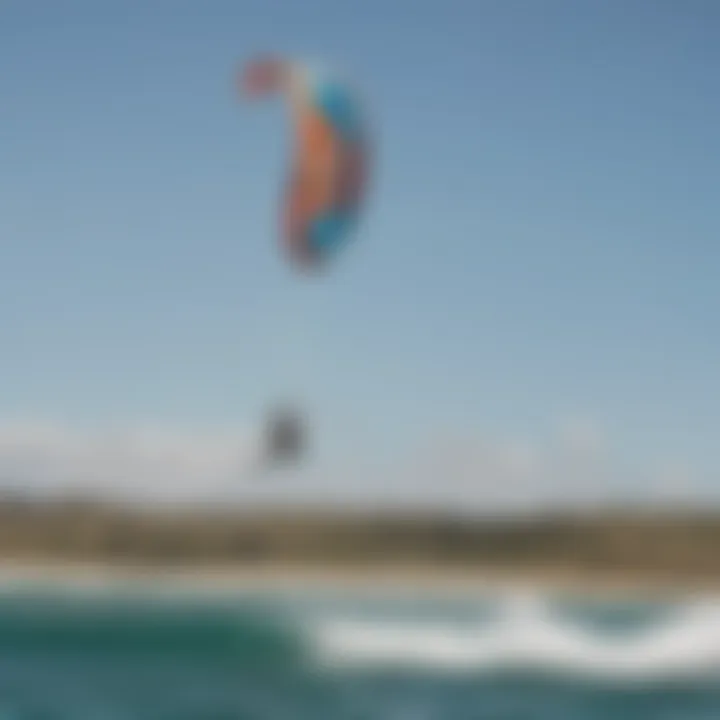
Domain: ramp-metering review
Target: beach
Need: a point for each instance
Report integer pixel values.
(435, 581)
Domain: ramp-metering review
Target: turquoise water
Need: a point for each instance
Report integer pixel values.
(319, 656)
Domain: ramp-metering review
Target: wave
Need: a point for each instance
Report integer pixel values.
(528, 637)
(520, 633)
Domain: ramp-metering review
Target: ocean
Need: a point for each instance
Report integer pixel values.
(134, 652)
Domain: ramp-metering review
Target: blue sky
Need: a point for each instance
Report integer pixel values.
(541, 240)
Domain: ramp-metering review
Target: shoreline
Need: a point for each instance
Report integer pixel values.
(212, 580)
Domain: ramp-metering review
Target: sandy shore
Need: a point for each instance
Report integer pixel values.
(378, 579)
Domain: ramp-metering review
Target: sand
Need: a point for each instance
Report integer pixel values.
(211, 580)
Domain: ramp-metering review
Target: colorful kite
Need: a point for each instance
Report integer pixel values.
(329, 170)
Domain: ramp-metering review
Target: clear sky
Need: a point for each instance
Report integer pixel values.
(541, 243)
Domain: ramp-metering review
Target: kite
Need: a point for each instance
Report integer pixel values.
(328, 173)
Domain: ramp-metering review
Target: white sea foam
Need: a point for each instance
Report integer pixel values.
(527, 636)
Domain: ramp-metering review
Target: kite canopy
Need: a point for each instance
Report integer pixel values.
(328, 174)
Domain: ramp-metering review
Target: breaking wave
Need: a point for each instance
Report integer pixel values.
(528, 637)
(281, 632)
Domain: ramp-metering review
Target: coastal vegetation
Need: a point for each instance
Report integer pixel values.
(663, 542)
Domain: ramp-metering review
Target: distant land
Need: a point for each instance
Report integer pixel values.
(663, 544)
